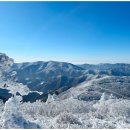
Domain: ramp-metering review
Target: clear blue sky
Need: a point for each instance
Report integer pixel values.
(77, 32)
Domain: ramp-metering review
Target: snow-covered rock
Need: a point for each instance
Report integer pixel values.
(5, 61)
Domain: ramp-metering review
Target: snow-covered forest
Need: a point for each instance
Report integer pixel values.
(68, 113)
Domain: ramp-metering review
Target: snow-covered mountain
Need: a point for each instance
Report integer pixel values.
(119, 69)
(85, 96)
(53, 77)
(48, 76)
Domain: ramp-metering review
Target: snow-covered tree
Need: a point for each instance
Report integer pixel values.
(12, 117)
(50, 98)
(103, 98)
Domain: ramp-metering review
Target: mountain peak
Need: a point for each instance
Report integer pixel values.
(5, 61)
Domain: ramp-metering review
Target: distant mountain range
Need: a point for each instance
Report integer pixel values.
(55, 77)
(118, 69)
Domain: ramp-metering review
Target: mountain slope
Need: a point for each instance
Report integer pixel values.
(48, 76)
(117, 86)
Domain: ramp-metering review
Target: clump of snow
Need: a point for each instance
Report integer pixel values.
(13, 73)
(42, 83)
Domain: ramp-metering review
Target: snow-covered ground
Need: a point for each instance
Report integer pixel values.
(69, 112)
(14, 87)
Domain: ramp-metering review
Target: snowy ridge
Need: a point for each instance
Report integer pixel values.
(81, 88)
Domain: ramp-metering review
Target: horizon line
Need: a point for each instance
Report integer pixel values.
(71, 62)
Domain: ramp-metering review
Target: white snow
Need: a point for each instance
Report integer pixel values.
(75, 91)
(65, 110)
(42, 83)
(15, 87)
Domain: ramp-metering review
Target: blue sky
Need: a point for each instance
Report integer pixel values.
(76, 32)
